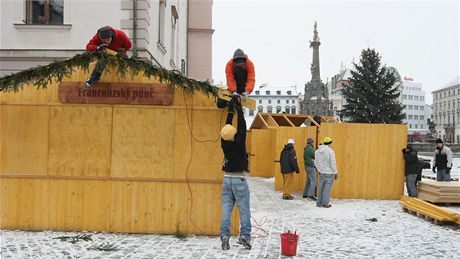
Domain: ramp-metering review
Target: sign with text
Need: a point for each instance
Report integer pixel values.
(116, 93)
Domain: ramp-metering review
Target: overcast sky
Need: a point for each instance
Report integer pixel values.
(420, 38)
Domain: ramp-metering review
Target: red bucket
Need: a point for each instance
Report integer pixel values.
(289, 244)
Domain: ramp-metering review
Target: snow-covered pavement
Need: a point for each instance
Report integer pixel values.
(350, 229)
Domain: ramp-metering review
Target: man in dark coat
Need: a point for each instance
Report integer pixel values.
(442, 161)
(288, 161)
(235, 187)
(411, 172)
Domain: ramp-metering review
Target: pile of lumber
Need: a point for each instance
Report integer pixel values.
(439, 192)
(429, 211)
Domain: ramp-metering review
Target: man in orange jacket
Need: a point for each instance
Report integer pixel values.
(240, 73)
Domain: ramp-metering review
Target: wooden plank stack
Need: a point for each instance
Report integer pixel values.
(439, 192)
(429, 211)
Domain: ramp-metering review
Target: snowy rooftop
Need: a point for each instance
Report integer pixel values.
(350, 229)
(453, 82)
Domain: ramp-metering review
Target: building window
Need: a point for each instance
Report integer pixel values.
(416, 126)
(260, 109)
(257, 92)
(287, 110)
(416, 107)
(278, 109)
(410, 117)
(409, 107)
(410, 126)
(415, 117)
(269, 101)
(287, 101)
(289, 92)
(161, 24)
(292, 110)
(269, 109)
(293, 101)
(404, 97)
(422, 107)
(278, 92)
(251, 112)
(422, 117)
(267, 92)
(45, 12)
(416, 98)
(278, 101)
(260, 101)
(174, 17)
(422, 98)
(411, 97)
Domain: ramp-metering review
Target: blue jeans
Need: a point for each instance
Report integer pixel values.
(443, 175)
(96, 74)
(310, 185)
(411, 181)
(324, 189)
(235, 189)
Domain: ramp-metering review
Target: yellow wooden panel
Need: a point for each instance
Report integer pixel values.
(143, 143)
(198, 144)
(24, 139)
(261, 159)
(95, 201)
(9, 203)
(300, 135)
(23, 201)
(369, 159)
(80, 141)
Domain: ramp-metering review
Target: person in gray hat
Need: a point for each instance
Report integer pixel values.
(309, 163)
(240, 73)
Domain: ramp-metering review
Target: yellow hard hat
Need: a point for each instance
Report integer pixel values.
(228, 132)
(327, 140)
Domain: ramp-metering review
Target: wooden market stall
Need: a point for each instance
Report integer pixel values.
(368, 155)
(110, 167)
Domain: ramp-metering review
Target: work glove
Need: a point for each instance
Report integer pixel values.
(244, 96)
(434, 169)
(236, 100)
(403, 150)
(230, 106)
(102, 46)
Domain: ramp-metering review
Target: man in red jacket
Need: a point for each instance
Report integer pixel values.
(106, 37)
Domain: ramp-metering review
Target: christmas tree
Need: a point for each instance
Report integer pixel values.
(373, 95)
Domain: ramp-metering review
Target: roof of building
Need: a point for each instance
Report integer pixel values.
(451, 84)
(262, 88)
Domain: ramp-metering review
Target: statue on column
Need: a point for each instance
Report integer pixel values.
(315, 33)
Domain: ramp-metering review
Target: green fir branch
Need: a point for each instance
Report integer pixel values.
(42, 76)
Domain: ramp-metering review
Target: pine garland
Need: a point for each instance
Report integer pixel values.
(42, 76)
